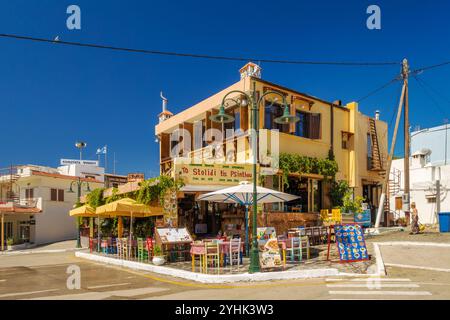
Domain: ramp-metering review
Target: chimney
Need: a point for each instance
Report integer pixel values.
(165, 114)
(377, 115)
(250, 70)
(338, 102)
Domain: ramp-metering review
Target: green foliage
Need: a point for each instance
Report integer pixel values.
(294, 163)
(157, 251)
(95, 198)
(144, 227)
(156, 188)
(77, 204)
(350, 204)
(338, 191)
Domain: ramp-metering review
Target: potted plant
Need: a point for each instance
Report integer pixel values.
(401, 221)
(158, 257)
(9, 243)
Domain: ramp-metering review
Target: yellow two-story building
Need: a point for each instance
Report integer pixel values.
(209, 155)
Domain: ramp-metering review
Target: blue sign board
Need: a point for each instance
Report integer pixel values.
(364, 218)
(350, 242)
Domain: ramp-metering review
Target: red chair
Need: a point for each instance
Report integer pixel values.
(149, 247)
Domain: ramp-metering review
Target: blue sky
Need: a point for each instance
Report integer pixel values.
(52, 95)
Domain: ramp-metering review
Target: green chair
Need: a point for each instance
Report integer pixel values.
(142, 252)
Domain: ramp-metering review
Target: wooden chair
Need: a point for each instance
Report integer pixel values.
(104, 246)
(294, 249)
(91, 245)
(234, 253)
(316, 235)
(305, 246)
(324, 215)
(336, 216)
(142, 253)
(125, 248)
(212, 255)
(119, 248)
(149, 248)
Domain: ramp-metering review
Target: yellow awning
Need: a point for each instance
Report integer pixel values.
(83, 211)
(127, 207)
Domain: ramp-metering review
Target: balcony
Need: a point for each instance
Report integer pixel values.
(9, 205)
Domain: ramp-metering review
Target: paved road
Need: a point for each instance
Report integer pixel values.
(43, 276)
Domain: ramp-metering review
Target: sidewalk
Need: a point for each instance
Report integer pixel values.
(62, 246)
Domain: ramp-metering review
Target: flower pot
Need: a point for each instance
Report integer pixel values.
(158, 260)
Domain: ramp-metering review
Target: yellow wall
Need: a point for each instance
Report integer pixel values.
(352, 163)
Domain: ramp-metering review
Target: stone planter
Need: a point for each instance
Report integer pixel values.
(158, 260)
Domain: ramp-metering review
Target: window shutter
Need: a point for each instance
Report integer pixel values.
(61, 195)
(314, 126)
(53, 195)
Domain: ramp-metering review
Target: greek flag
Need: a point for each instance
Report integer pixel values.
(103, 150)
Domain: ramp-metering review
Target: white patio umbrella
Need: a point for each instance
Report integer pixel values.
(243, 194)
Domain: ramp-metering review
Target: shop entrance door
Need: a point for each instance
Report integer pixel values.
(24, 233)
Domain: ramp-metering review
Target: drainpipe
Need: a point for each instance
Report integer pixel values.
(3, 231)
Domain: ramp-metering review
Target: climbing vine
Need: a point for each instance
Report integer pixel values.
(294, 163)
(95, 198)
(149, 191)
(153, 189)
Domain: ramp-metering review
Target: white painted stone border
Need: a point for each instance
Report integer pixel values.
(15, 253)
(413, 243)
(227, 278)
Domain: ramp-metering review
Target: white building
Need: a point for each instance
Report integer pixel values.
(424, 177)
(35, 201)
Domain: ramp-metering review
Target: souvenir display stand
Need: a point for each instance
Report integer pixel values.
(350, 243)
(175, 243)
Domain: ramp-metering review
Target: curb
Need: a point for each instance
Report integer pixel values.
(16, 253)
(381, 267)
(227, 278)
(413, 243)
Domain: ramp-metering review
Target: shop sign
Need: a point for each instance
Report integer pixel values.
(217, 174)
(65, 162)
(135, 177)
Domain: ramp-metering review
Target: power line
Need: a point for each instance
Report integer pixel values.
(371, 93)
(420, 70)
(435, 91)
(436, 103)
(191, 55)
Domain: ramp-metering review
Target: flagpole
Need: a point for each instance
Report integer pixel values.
(114, 163)
(106, 158)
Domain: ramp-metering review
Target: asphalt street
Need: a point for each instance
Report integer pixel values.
(45, 276)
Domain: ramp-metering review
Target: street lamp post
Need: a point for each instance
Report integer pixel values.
(222, 117)
(79, 183)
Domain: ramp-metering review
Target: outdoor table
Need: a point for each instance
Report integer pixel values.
(197, 249)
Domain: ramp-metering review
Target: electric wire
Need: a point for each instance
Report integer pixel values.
(192, 55)
(435, 102)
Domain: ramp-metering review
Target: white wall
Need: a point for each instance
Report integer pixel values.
(53, 223)
(422, 184)
(80, 170)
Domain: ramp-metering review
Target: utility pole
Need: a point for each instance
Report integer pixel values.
(406, 194)
(391, 152)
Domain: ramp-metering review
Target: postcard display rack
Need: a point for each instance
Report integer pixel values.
(175, 243)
